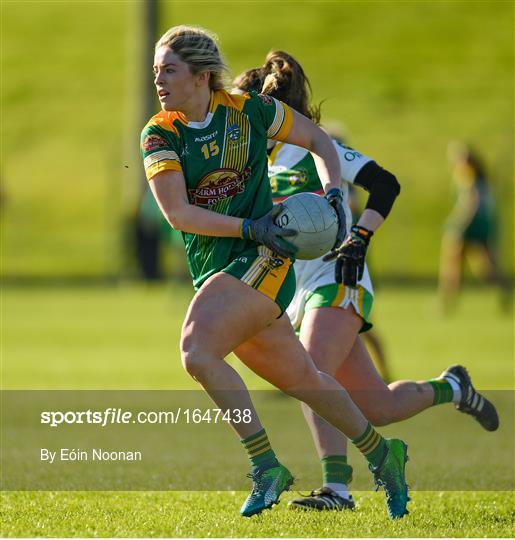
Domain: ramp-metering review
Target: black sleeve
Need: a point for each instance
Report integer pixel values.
(382, 186)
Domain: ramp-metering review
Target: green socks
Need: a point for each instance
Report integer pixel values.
(443, 391)
(335, 470)
(259, 451)
(372, 446)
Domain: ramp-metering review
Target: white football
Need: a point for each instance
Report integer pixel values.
(315, 221)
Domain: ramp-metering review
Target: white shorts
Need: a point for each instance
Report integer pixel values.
(316, 287)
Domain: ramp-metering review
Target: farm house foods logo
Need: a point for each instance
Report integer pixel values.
(218, 185)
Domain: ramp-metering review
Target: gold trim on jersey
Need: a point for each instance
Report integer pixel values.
(233, 101)
(164, 165)
(236, 140)
(286, 125)
(164, 120)
(160, 156)
(277, 122)
(283, 120)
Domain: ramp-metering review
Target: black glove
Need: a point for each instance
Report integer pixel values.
(265, 231)
(335, 199)
(350, 256)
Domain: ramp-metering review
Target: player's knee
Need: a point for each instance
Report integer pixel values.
(191, 363)
(191, 355)
(306, 379)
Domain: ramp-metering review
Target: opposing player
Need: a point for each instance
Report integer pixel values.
(205, 158)
(333, 298)
(371, 338)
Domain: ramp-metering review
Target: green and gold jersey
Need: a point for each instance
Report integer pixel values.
(224, 163)
(292, 170)
(473, 215)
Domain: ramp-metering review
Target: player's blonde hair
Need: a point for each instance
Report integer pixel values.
(197, 47)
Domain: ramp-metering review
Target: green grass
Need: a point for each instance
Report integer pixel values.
(435, 514)
(404, 77)
(127, 337)
(98, 337)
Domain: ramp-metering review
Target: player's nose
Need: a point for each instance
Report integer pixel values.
(158, 78)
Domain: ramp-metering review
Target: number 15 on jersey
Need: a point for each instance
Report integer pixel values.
(210, 150)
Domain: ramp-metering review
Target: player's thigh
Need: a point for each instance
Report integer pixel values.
(276, 355)
(453, 247)
(224, 313)
(360, 377)
(328, 334)
(333, 316)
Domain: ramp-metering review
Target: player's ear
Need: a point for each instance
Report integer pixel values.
(203, 77)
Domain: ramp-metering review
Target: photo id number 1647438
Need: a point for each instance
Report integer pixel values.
(208, 416)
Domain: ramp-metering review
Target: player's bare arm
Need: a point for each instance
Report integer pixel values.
(169, 191)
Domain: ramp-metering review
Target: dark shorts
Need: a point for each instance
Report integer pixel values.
(480, 230)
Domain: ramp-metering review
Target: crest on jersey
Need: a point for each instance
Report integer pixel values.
(234, 132)
(153, 142)
(298, 178)
(218, 185)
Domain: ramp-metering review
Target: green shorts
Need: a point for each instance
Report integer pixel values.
(337, 295)
(480, 230)
(266, 272)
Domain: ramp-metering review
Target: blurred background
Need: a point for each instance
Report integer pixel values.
(95, 286)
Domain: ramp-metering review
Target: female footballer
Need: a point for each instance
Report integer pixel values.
(205, 158)
(470, 228)
(334, 296)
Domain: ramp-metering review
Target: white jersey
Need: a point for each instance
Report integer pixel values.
(291, 170)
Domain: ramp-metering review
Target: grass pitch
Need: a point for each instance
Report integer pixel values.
(127, 337)
(433, 514)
